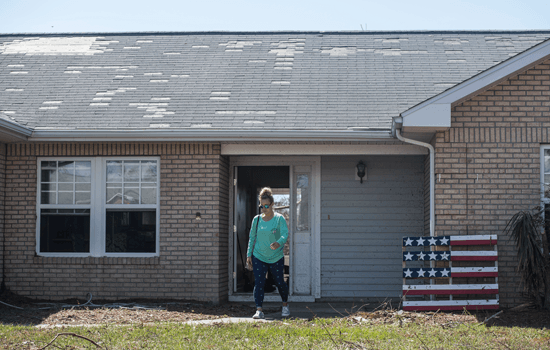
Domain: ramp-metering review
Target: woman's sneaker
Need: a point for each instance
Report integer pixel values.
(285, 312)
(258, 315)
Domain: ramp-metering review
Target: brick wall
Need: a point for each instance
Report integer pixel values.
(193, 255)
(489, 162)
(2, 192)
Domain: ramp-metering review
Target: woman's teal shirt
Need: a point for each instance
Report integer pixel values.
(274, 230)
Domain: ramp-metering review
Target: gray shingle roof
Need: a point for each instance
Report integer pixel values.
(276, 80)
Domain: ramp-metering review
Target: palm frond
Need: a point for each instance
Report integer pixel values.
(523, 227)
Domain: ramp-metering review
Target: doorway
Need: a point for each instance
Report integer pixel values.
(296, 188)
(251, 179)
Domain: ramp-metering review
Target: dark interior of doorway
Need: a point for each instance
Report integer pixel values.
(250, 181)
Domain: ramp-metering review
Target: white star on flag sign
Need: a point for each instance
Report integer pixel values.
(421, 273)
(409, 241)
(409, 256)
(444, 256)
(432, 273)
(433, 241)
(421, 256)
(443, 241)
(433, 256)
(408, 273)
(445, 273)
(420, 241)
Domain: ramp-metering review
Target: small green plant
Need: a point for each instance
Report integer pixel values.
(533, 256)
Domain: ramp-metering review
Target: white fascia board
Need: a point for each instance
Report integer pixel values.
(11, 131)
(434, 117)
(437, 115)
(208, 135)
(301, 149)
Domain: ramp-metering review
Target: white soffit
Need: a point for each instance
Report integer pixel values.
(302, 149)
(436, 112)
(13, 132)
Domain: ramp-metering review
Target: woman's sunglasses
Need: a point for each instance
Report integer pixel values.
(266, 206)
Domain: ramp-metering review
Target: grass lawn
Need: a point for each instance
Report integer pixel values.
(318, 333)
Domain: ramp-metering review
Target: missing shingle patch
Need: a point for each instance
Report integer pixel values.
(72, 72)
(160, 99)
(179, 76)
(391, 40)
(287, 48)
(123, 76)
(52, 102)
(19, 72)
(99, 104)
(102, 98)
(451, 41)
(237, 46)
(220, 95)
(398, 52)
(56, 46)
(102, 67)
(13, 90)
(282, 68)
(247, 112)
(143, 41)
(453, 52)
(158, 81)
(253, 122)
(172, 53)
(132, 47)
(284, 63)
(8, 112)
(159, 126)
(154, 110)
(257, 61)
(200, 46)
(339, 51)
(16, 65)
(112, 92)
(202, 126)
(50, 107)
(152, 73)
(280, 82)
(456, 61)
(286, 59)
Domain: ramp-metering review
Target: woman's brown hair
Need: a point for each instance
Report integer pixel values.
(266, 193)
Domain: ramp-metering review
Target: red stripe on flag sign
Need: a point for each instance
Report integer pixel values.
(450, 307)
(474, 274)
(474, 258)
(475, 242)
(450, 291)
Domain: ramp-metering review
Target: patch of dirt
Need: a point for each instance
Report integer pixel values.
(45, 313)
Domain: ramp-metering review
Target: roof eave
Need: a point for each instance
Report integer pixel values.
(11, 131)
(436, 112)
(209, 135)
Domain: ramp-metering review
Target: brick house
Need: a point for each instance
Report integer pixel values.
(130, 163)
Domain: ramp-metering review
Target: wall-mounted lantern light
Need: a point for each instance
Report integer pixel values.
(198, 216)
(361, 170)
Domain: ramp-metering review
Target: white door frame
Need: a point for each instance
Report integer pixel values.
(291, 161)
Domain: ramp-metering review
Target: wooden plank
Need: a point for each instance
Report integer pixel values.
(449, 289)
(450, 302)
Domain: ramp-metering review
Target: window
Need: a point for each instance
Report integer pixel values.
(98, 207)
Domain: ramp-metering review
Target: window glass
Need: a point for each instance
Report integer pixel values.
(65, 230)
(302, 202)
(65, 182)
(131, 182)
(546, 178)
(131, 231)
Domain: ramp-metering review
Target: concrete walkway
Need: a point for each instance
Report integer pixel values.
(297, 310)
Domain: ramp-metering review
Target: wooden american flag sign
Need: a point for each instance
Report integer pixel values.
(449, 289)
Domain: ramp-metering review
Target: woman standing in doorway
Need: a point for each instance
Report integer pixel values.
(268, 236)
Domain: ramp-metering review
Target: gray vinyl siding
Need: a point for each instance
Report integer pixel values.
(362, 225)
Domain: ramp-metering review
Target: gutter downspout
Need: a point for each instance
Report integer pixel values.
(432, 175)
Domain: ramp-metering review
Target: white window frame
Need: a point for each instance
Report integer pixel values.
(98, 207)
(543, 199)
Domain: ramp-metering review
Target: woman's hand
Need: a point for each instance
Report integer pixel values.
(274, 245)
(249, 263)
